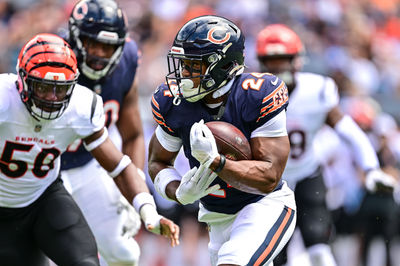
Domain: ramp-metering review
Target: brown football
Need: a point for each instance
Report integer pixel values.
(231, 142)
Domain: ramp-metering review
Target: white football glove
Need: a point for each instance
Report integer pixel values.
(202, 143)
(376, 178)
(132, 222)
(195, 185)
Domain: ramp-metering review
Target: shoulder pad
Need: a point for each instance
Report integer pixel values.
(86, 110)
(131, 51)
(266, 96)
(161, 103)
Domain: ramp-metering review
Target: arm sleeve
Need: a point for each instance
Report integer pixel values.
(362, 148)
(170, 143)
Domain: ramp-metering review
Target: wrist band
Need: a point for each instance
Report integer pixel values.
(143, 198)
(222, 161)
(123, 163)
(163, 178)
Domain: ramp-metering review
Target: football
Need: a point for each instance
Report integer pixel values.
(231, 142)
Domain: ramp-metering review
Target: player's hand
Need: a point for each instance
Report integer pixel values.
(378, 180)
(167, 228)
(202, 143)
(195, 185)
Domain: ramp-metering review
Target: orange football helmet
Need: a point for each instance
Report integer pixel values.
(278, 49)
(278, 40)
(47, 74)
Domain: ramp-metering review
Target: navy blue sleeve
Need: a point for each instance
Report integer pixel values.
(161, 102)
(267, 96)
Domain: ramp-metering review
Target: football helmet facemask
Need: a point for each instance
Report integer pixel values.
(278, 42)
(47, 74)
(210, 41)
(98, 21)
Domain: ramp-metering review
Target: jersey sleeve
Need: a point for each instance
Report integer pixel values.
(7, 83)
(90, 117)
(329, 93)
(264, 103)
(132, 55)
(161, 102)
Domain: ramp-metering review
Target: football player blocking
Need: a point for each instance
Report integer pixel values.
(249, 209)
(313, 103)
(42, 111)
(107, 60)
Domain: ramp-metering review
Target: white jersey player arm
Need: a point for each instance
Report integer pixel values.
(364, 154)
(126, 175)
(132, 186)
(347, 129)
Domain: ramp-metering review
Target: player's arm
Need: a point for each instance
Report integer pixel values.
(363, 150)
(186, 189)
(130, 127)
(159, 160)
(261, 174)
(131, 185)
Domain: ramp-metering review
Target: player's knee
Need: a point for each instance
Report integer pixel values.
(315, 227)
(321, 255)
(316, 233)
(123, 253)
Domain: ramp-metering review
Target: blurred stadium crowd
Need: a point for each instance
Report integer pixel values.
(356, 42)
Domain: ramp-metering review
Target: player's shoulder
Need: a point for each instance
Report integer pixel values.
(257, 85)
(84, 102)
(125, 71)
(316, 82)
(258, 88)
(130, 51)
(260, 96)
(162, 98)
(317, 87)
(7, 90)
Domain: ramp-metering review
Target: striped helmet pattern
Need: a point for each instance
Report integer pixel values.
(46, 59)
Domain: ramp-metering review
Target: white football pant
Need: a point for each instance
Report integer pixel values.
(111, 218)
(256, 234)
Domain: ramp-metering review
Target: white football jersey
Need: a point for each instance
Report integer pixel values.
(309, 103)
(30, 149)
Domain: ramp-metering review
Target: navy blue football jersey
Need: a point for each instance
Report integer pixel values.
(254, 99)
(112, 89)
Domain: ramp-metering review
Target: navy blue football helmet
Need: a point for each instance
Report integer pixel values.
(102, 21)
(211, 41)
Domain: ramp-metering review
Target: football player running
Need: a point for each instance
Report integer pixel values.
(107, 60)
(250, 211)
(313, 103)
(42, 111)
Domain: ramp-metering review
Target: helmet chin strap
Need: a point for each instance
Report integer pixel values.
(188, 90)
(238, 70)
(224, 89)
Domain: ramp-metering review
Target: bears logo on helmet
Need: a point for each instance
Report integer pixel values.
(100, 21)
(213, 42)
